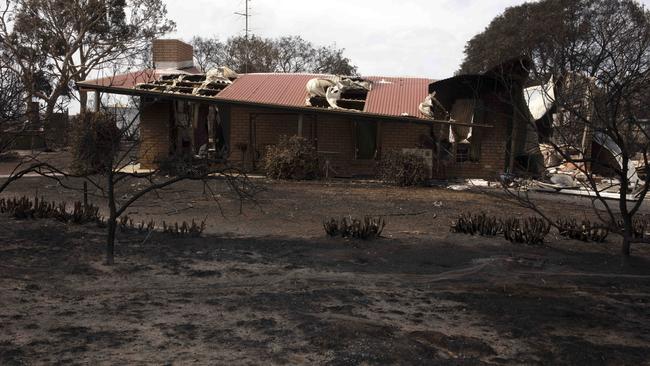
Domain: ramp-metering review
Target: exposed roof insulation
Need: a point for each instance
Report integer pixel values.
(131, 79)
(395, 97)
(203, 85)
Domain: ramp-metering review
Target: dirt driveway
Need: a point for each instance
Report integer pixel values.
(266, 286)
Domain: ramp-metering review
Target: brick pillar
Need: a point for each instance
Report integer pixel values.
(172, 54)
(154, 134)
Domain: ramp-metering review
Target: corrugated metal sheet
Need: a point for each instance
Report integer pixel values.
(396, 96)
(279, 89)
(389, 96)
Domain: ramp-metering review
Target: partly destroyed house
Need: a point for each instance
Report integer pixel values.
(571, 136)
(463, 126)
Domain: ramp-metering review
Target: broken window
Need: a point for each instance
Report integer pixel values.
(197, 129)
(365, 140)
(201, 125)
(209, 133)
(222, 129)
(462, 152)
(182, 134)
(465, 139)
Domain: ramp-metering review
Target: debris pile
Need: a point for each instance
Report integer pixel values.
(578, 156)
(338, 93)
(573, 178)
(561, 174)
(210, 84)
(432, 108)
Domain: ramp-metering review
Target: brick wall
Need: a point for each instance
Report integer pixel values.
(493, 144)
(239, 135)
(333, 135)
(172, 53)
(269, 126)
(335, 138)
(154, 133)
(397, 136)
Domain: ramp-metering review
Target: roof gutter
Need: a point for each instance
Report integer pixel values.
(305, 109)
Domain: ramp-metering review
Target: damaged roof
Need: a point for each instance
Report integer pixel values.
(394, 97)
(131, 79)
(389, 96)
(397, 96)
(272, 88)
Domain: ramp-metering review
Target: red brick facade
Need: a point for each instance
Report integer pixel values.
(334, 137)
(252, 129)
(493, 144)
(154, 134)
(172, 53)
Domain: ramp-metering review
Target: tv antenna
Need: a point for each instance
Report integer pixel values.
(246, 15)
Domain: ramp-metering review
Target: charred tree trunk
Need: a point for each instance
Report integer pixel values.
(110, 241)
(49, 111)
(83, 101)
(628, 229)
(112, 221)
(628, 234)
(625, 247)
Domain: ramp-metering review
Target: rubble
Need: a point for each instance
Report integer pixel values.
(540, 99)
(573, 176)
(210, 84)
(221, 72)
(317, 87)
(468, 184)
(578, 143)
(432, 108)
(607, 143)
(338, 93)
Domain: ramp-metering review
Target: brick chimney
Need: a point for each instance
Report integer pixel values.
(172, 54)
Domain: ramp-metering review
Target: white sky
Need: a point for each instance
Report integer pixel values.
(382, 37)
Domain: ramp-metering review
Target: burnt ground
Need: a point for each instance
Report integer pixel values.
(267, 287)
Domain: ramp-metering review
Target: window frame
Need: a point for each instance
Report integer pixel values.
(356, 135)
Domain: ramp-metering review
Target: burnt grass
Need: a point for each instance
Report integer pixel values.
(411, 298)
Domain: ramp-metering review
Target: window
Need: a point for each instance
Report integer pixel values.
(462, 152)
(365, 134)
(467, 140)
